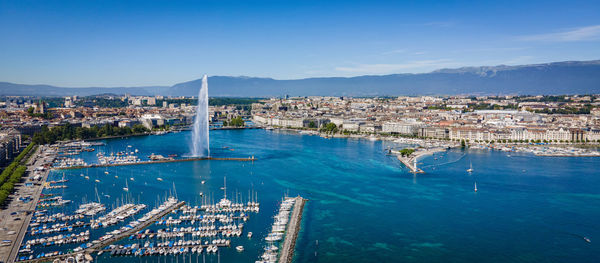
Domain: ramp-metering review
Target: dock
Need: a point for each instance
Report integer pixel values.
(287, 252)
(249, 159)
(100, 245)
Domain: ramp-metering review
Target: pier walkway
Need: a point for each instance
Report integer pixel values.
(100, 245)
(249, 159)
(287, 252)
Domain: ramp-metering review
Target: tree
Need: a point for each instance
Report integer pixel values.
(330, 128)
(312, 125)
(407, 152)
(237, 122)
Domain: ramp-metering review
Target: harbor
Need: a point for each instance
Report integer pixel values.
(151, 217)
(335, 199)
(175, 228)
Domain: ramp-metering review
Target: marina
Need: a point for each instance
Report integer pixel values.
(134, 226)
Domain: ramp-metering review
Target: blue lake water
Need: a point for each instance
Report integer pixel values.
(364, 205)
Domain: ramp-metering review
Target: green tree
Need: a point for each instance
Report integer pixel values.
(330, 128)
(237, 122)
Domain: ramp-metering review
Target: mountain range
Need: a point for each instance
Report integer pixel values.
(569, 77)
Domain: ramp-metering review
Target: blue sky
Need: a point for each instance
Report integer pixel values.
(133, 43)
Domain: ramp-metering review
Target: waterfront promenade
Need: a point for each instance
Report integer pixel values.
(287, 252)
(15, 219)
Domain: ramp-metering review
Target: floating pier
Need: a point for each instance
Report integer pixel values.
(287, 252)
(249, 159)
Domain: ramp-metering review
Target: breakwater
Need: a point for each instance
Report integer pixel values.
(411, 160)
(287, 252)
(249, 159)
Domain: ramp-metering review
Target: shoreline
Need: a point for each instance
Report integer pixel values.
(507, 147)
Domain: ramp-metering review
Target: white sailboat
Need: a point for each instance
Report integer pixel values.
(126, 188)
(470, 170)
(475, 189)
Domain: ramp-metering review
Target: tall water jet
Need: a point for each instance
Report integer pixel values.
(200, 146)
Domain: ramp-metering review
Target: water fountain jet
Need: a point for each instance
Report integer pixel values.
(200, 136)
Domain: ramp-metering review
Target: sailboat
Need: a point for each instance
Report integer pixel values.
(475, 189)
(126, 188)
(470, 170)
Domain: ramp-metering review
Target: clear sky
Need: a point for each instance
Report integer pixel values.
(133, 43)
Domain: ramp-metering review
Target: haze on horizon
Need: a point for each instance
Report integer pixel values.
(140, 43)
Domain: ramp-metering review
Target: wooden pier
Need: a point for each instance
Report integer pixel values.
(100, 245)
(249, 159)
(287, 252)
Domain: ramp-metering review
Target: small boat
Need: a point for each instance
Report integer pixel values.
(203, 182)
(249, 234)
(587, 239)
(87, 177)
(201, 194)
(97, 181)
(239, 248)
(475, 189)
(126, 188)
(131, 178)
(470, 170)
(116, 176)
(160, 179)
(105, 172)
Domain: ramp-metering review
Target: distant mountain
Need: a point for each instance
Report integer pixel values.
(571, 77)
(12, 89)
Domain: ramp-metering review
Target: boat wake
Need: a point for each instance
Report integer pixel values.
(446, 163)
